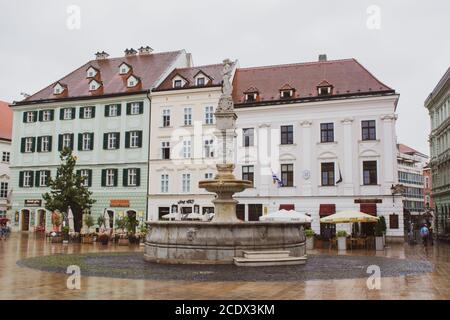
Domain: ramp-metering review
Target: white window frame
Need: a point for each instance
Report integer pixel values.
(28, 144)
(66, 140)
(42, 178)
(134, 139)
(177, 81)
(135, 108)
(6, 156)
(113, 110)
(188, 116)
(209, 175)
(208, 148)
(4, 186)
(165, 145)
(209, 115)
(186, 183)
(27, 179)
(132, 177)
(67, 114)
(112, 139)
(46, 115)
(198, 81)
(85, 173)
(30, 117)
(45, 144)
(187, 148)
(110, 176)
(166, 118)
(87, 113)
(86, 144)
(164, 183)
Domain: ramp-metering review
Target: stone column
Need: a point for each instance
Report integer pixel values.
(306, 156)
(389, 152)
(347, 165)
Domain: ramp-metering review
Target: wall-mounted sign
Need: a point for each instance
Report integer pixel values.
(368, 201)
(186, 202)
(33, 202)
(119, 203)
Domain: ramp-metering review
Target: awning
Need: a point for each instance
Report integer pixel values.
(369, 208)
(348, 216)
(327, 209)
(287, 207)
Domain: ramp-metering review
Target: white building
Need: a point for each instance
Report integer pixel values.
(5, 154)
(325, 129)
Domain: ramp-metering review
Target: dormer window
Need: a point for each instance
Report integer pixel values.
(124, 68)
(132, 81)
(286, 94)
(93, 85)
(200, 81)
(91, 72)
(58, 89)
(177, 83)
(251, 94)
(324, 88)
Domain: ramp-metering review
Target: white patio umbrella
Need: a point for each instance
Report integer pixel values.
(106, 216)
(194, 216)
(170, 216)
(287, 215)
(70, 217)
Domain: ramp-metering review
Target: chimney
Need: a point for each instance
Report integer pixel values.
(322, 57)
(101, 55)
(130, 52)
(145, 50)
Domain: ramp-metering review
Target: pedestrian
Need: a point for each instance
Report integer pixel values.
(424, 233)
(430, 229)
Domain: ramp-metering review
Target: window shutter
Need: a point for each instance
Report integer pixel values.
(81, 113)
(118, 140)
(33, 145)
(125, 177)
(92, 141)
(32, 178)
(61, 114)
(40, 115)
(138, 177)
(25, 113)
(116, 176)
(73, 113)
(48, 178)
(35, 116)
(141, 107)
(50, 143)
(103, 177)
(72, 138)
(128, 108)
(105, 141)
(107, 111)
(22, 145)
(80, 141)
(93, 112)
(60, 142)
(37, 178)
(127, 139)
(119, 108)
(140, 139)
(39, 142)
(52, 115)
(89, 178)
(21, 179)
(78, 173)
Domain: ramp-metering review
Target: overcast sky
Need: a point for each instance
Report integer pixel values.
(408, 48)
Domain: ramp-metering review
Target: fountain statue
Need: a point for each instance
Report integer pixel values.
(225, 238)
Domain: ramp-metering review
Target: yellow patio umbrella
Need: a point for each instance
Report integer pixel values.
(348, 216)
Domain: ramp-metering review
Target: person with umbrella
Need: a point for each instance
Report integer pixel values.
(4, 230)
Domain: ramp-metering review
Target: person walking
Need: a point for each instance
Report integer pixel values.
(424, 234)
(430, 229)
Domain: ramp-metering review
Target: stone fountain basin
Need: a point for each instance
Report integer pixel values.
(192, 242)
(224, 185)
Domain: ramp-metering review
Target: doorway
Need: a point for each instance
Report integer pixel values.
(111, 218)
(25, 220)
(41, 216)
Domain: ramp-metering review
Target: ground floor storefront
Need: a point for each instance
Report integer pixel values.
(442, 214)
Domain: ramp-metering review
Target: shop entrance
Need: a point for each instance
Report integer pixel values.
(25, 220)
(111, 218)
(41, 213)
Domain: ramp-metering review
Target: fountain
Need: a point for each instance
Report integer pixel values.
(225, 239)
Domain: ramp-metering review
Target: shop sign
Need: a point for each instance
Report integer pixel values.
(119, 203)
(186, 202)
(33, 202)
(368, 201)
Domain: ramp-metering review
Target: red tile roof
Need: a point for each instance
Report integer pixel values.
(213, 72)
(6, 119)
(148, 68)
(348, 77)
(403, 148)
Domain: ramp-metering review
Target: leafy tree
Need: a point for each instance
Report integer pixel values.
(67, 189)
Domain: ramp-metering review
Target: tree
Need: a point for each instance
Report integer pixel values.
(68, 189)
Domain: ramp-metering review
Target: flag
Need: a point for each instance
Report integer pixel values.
(277, 180)
(340, 175)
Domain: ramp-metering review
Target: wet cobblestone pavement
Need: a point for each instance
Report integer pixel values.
(408, 272)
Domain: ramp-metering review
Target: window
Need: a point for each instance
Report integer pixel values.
(110, 177)
(132, 177)
(47, 115)
(86, 174)
(27, 179)
(393, 221)
(132, 81)
(188, 116)
(250, 97)
(248, 136)
(164, 183)
(209, 115)
(368, 130)
(67, 114)
(165, 150)
(3, 189)
(186, 149)
(111, 141)
(208, 148)
(186, 182)
(177, 84)
(324, 91)
(44, 144)
(135, 108)
(166, 118)
(201, 81)
(285, 94)
(113, 110)
(86, 142)
(327, 171)
(247, 173)
(208, 175)
(287, 134)
(134, 139)
(29, 144)
(30, 116)
(6, 155)
(66, 141)
(87, 113)
(287, 175)
(93, 85)
(369, 172)
(326, 132)
(43, 178)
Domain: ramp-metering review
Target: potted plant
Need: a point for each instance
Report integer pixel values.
(379, 235)
(101, 223)
(65, 234)
(123, 239)
(142, 233)
(120, 224)
(342, 239)
(309, 234)
(318, 241)
(103, 238)
(89, 222)
(131, 224)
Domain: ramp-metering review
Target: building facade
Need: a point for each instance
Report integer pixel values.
(427, 188)
(309, 136)
(101, 111)
(411, 164)
(5, 160)
(438, 105)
